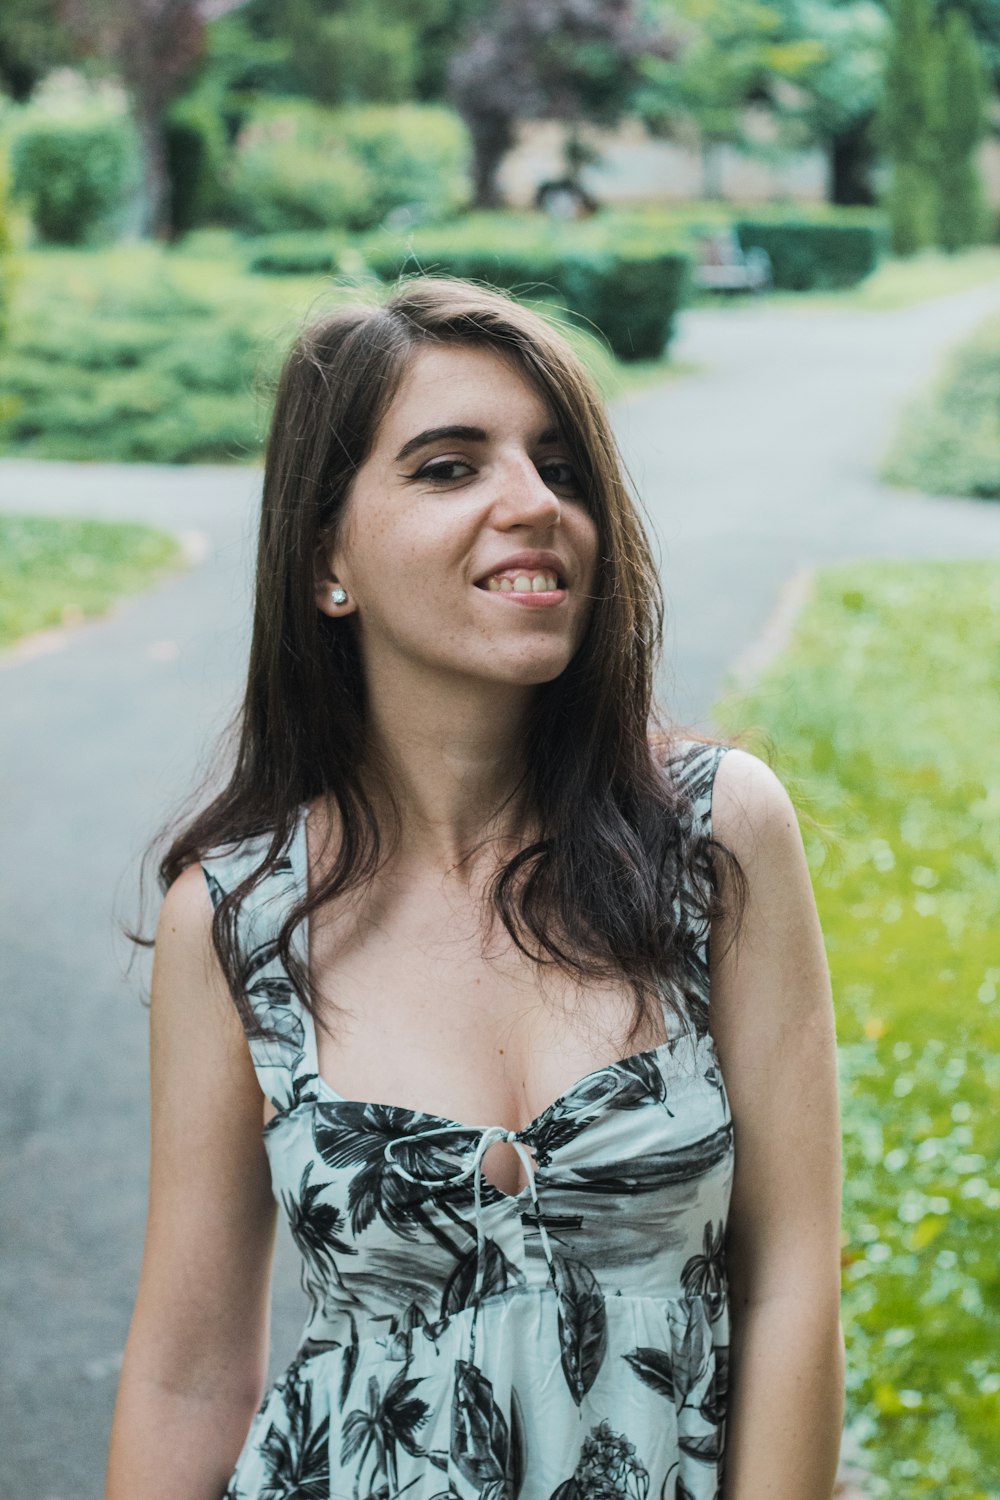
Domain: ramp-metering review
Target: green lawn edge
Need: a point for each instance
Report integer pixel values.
(882, 718)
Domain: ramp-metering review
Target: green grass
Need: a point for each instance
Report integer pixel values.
(883, 719)
(59, 572)
(948, 440)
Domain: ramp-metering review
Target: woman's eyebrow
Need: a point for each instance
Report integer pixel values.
(465, 434)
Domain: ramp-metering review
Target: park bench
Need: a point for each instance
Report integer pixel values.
(724, 266)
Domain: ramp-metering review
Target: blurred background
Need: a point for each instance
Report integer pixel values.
(772, 230)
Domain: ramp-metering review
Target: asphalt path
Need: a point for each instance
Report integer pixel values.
(753, 470)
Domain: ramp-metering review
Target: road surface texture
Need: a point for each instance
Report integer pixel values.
(753, 470)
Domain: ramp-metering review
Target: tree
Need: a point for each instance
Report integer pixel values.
(906, 125)
(156, 46)
(31, 43)
(840, 90)
(960, 124)
(568, 60)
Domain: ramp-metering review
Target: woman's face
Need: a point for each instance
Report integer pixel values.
(467, 492)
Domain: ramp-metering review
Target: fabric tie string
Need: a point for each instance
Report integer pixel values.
(489, 1135)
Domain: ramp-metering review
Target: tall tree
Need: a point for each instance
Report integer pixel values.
(568, 60)
(31, 42)
(960, 124)
(906, 125)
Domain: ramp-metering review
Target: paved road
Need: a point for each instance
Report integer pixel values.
(754, 468)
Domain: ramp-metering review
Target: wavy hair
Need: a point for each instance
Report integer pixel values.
(595, 893)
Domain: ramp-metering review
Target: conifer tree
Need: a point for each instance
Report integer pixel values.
(960, 124)
(906, 125)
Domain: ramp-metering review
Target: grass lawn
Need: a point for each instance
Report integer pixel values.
(948, 440)
(883, 719)
(59, 572)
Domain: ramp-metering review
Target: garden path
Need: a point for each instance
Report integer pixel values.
(754, 468)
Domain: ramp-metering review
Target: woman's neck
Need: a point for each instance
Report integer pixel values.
(453, 753)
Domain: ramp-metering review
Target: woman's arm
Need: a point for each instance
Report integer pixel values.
(773, 1022)
(196, 1355)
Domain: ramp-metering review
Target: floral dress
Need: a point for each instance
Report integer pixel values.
(567, 1343)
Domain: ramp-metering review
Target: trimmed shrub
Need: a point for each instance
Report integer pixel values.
(276, 185)
(418, 157)
(77, 174)
(305, 254)
(609, 272)
(815, 257)
(298, 166)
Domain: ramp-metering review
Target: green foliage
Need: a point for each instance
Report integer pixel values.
(814, 257)
(886, 713)
(348, 53)
(140, 356)
(195, 153)
(906, 124)
(6, 249)
(305, 254)
(949, 439)
(300, 166)
(77, 172)
(58, 572)
(960, 125)
(625, 281)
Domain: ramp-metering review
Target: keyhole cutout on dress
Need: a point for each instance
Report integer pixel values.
(503, 1168)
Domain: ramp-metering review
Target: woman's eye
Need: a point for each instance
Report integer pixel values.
(564, 480)
(441, 472)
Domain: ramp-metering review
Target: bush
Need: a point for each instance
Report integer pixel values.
(808, 257)
(305, 254)
(77, 173)
(195, 150)
(611, 273)
(298, 166)
(418, 156)
(6, 249)
(949, 439)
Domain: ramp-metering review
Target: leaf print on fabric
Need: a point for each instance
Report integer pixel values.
(480, 1439)
(315, 1226)
(499, 1274)
(215, 890)
(714, 1406)
(385, 1423)
(705, 1275)
(641, 1083)
(657, 1169)
(707, 1450)
(296, 1459)
(582, 1321)
(655, 1368)
(692, 1346)
(348, 1134)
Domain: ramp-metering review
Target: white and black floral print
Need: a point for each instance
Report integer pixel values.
(567, 1343)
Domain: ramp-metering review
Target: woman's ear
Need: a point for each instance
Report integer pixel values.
(332, 598)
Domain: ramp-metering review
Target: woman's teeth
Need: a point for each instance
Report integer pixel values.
(523, 583)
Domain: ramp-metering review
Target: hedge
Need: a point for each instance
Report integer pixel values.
(808, 257)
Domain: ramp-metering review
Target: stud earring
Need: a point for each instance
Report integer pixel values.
(338, 595)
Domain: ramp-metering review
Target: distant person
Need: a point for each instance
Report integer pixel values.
(541, 1060)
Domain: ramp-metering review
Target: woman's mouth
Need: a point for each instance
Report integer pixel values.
(535, 590)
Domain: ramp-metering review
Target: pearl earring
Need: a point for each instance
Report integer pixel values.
(338, 595)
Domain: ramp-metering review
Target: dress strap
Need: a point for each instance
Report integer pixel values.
(284, 1060)
(694, 768)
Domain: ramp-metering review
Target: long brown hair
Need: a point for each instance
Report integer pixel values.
(595, 893)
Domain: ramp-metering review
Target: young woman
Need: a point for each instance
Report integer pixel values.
(513, 998)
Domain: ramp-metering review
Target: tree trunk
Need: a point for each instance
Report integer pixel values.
(156, 220)
(852, 158)
(492, 138)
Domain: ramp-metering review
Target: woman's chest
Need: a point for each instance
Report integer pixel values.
(425, 1013)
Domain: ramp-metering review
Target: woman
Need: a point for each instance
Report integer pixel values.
(540, 1027)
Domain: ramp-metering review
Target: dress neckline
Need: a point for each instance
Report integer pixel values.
(299, 858)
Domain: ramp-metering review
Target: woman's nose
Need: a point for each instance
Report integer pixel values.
(523, 493)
